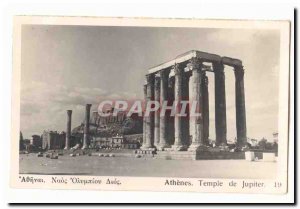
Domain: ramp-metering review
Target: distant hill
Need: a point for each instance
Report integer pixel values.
(109, 128)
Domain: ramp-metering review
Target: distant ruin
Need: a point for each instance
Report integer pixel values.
(102, 128)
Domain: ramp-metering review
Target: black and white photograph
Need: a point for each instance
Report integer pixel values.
(193, 103)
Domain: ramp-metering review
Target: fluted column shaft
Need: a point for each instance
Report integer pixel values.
(241, 127)
(68, 132)
(157, 112)
(185, 119)
(86, 129)
(150, 117)
(220, 104)
(196, 99)
(163, 123)
(144, 117)
(205, 108)
(178, 93)
(170, 119)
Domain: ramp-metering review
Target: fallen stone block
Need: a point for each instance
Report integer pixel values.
(249, 156)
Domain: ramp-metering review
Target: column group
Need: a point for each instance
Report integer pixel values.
(192, 132)
(86, 130)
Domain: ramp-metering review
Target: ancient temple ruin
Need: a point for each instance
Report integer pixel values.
(170, 81)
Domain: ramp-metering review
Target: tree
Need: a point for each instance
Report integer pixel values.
(262, 144)
(275, 146)
(21, 142)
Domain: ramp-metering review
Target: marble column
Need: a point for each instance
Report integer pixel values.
(240, 106)
(205, 98)
(163, 123)
(149, 118)
(196, 116)
(157, 112)
(186, 119)
(220, 104)
(178, 93)
(68, 132)
(170, 119)
(86, 130)
(144, 118)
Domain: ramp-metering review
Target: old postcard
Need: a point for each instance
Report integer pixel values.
(150, 104)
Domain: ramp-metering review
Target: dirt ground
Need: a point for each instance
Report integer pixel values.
(142, 167)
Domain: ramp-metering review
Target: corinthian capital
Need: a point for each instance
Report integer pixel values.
(194, 64)
(88, 107)
(178, 69)
(218, 67)
(150, 78)
(164, 74)
(239, 72)
(69, 112)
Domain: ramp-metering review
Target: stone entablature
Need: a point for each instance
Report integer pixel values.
(203, 56)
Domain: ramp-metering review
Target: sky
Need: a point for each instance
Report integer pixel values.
(66, 67)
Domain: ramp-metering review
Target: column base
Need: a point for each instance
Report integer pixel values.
(179, 147)
(197, 147)
(162, 147)
(241, 142)
(147, 147)
(84, 147)
(66, 148)
(221, 144)
(242, 146)
(223, 147)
